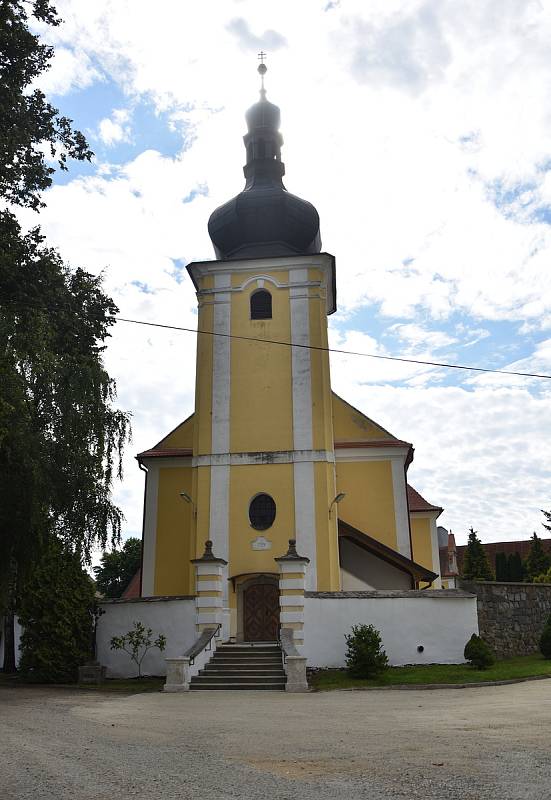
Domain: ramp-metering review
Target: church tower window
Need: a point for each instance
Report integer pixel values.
(262, 511)
(261, 305)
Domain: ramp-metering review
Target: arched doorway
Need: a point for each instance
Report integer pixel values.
(260, 609)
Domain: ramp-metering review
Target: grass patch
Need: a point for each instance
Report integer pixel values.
(508, 669)
(133, 685)
(129, 685)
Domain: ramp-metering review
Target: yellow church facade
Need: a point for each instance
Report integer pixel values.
(271, 454)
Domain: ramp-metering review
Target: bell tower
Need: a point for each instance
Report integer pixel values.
(263, 434)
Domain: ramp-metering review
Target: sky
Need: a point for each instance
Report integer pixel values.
(421, 131)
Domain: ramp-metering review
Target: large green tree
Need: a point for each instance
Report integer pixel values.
(476, 566)
(502, 567)
(118, 567)
(515, 567)
(538, 559)
(57, 614)
(61, 436)
(30, 125)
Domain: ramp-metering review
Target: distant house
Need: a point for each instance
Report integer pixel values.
(448, 558)
(133, 589)
(521, 546)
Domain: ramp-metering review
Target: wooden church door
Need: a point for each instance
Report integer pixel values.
(261, 613)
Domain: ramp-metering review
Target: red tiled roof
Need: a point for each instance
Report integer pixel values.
(167, 453)
(133, 588)
(373, 443)
(418, 503)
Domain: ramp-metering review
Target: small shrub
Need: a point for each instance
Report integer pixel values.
(545, 577)
(545, 640)
(478, 653)
(365, 657)
(137, 642)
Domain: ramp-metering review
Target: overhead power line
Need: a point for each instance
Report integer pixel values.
(403, 359)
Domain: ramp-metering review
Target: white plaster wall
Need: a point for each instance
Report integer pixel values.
(362, 570)
(17, 636)
(174, 618)
(442, 625)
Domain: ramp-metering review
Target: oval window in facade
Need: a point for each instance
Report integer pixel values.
(262, 511)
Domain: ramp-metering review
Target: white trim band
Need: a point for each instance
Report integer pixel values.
(264, 457)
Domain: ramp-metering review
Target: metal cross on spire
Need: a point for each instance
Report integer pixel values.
(262, 69)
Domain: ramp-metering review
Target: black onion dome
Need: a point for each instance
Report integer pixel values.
(264, 219)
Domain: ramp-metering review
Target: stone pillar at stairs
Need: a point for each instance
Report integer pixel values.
(292, 581)
(292, 577)
(209, 590)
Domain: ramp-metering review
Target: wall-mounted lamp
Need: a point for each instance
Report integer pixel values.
(337, 499)
(185, 496)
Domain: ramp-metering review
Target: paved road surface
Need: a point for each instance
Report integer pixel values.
(494, 742)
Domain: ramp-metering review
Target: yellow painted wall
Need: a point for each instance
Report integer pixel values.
(201, 495)
(175, 541)
(327, 548)
(181, 436)
(421, 541)
(350, 425)
(261, 384)
(246, 482)
(369, 501)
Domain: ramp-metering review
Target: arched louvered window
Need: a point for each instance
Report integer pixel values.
(261, 305)
(261, 149)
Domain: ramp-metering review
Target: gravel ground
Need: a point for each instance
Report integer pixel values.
(493, 742)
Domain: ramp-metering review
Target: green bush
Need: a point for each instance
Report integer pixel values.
(545, 577)
(545, 640)
(478, 653)
(364, 656)
(56, 614)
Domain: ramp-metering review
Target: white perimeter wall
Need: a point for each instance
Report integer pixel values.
(174, 618)
(442, 624)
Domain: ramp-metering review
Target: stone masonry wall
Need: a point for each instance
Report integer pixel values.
(511, 616)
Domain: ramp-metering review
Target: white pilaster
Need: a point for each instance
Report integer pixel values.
(401, 515)
(221, 356)
(150, 531)
(305, 524)
(221, 388)
(300, 362)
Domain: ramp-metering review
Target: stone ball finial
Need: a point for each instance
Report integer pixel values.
(292, 551)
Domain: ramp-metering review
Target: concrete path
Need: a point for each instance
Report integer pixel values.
(474, 743)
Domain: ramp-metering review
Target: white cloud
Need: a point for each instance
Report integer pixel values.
(419, 130)
(69, 69)
(115, 129)
(483, 454)
(416, 337)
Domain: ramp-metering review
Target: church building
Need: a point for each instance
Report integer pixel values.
(271, 453)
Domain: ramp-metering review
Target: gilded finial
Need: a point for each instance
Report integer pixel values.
(262, 70)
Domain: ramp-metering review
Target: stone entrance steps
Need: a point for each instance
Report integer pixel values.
(243, 666)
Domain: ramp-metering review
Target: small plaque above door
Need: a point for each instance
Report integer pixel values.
(261, 543)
